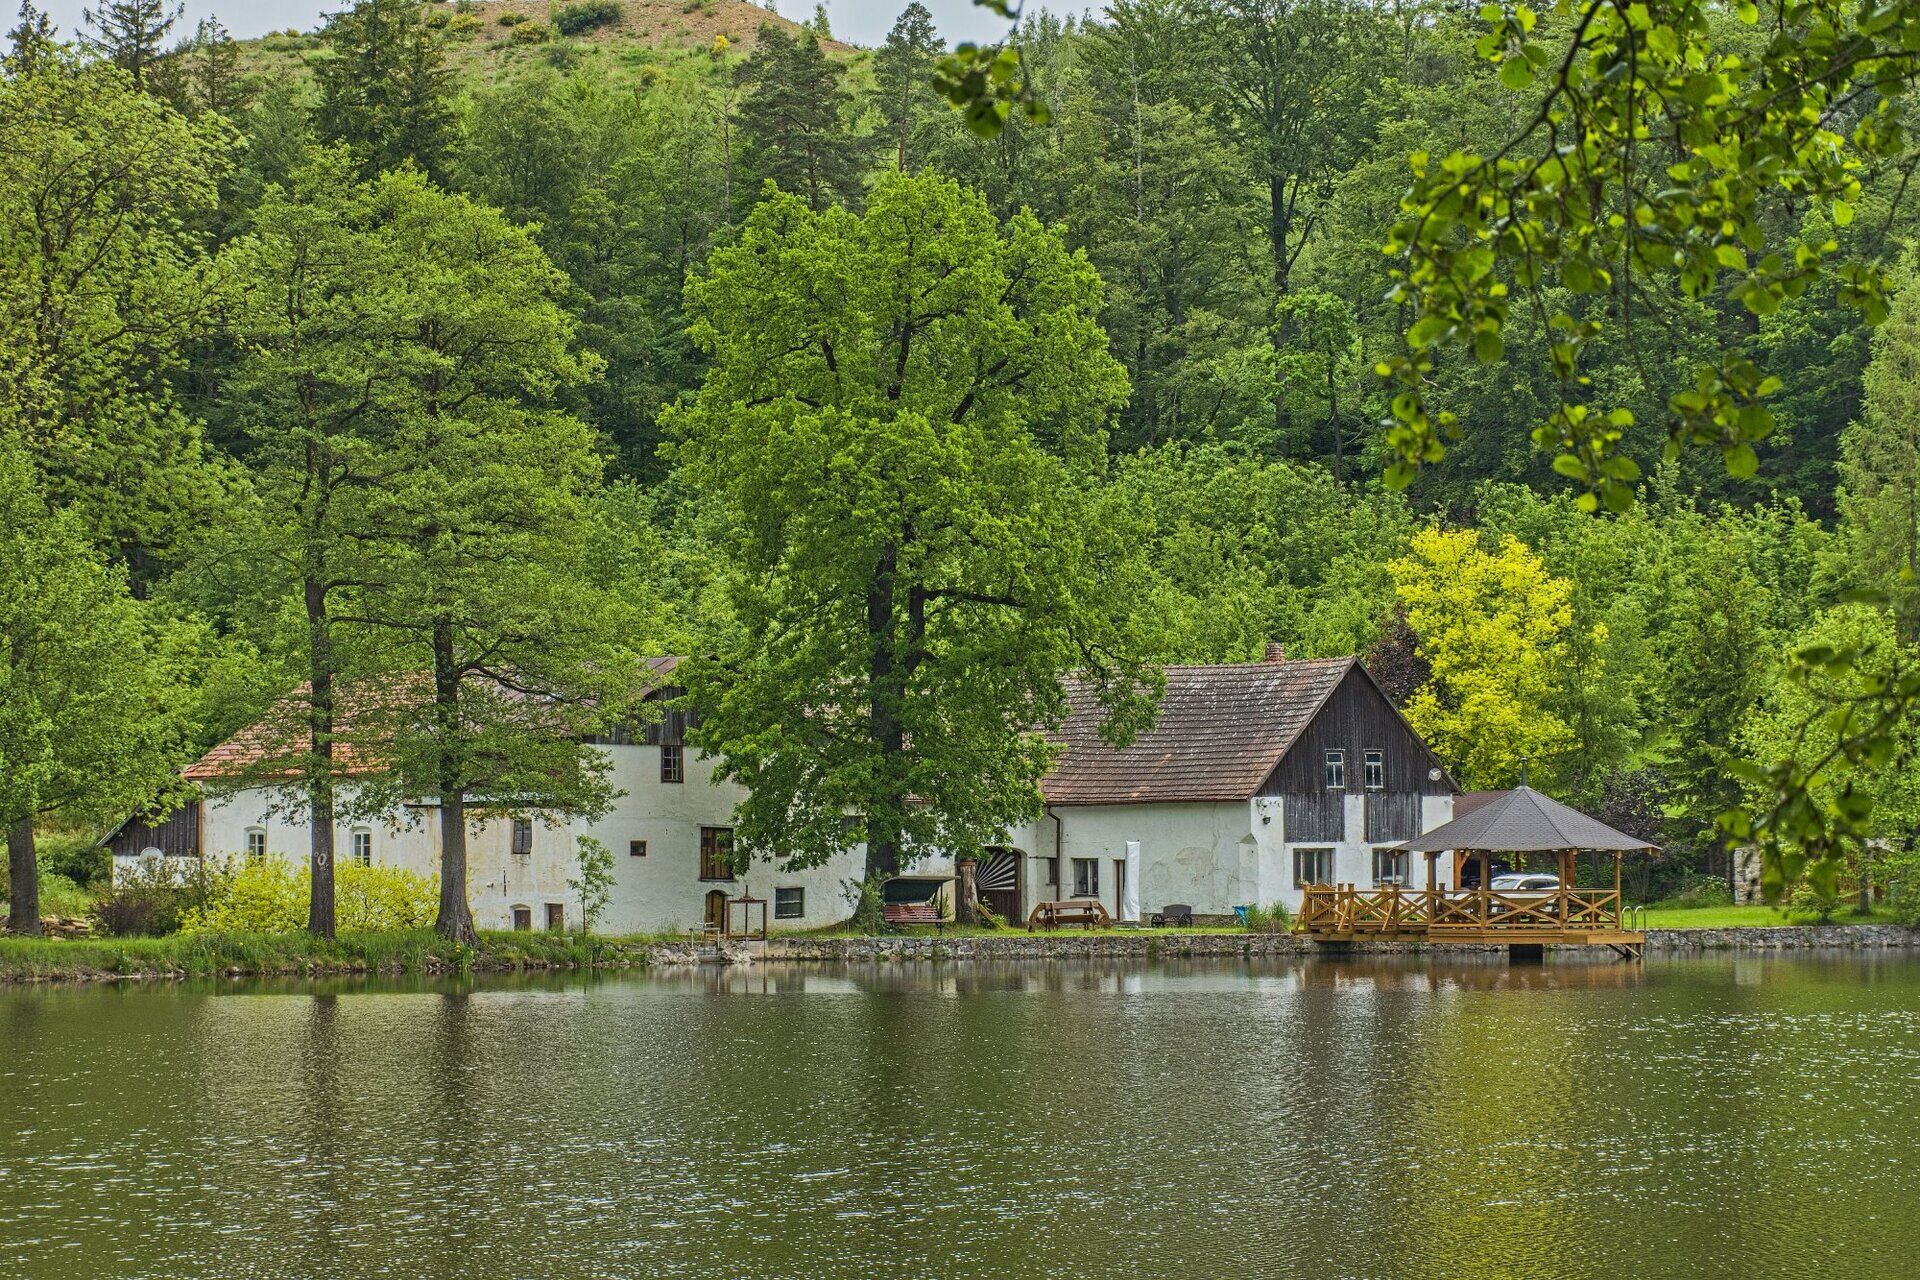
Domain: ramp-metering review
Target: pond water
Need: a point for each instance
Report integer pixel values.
(1725, 1117)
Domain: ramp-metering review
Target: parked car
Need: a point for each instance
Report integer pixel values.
(1528, 888)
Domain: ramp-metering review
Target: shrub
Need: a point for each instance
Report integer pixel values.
(1273, 918)
(270, 896)
(1810, 902)
(1900, 872)
(530, 33)
(150, 900)
(463, 24)
(79, 858)
(1703, 891)
(585, 15)
(512, 19)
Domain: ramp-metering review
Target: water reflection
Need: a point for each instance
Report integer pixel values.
(1342, 1117)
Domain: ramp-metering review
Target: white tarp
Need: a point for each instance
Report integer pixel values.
(1130, 892)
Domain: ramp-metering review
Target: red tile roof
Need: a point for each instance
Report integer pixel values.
(1220, 732)
(260, 746)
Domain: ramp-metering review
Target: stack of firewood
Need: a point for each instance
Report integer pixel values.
(60, 927)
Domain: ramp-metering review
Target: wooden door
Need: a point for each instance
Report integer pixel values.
(717, 908)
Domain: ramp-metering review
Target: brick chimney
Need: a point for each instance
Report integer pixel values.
(1276, 652)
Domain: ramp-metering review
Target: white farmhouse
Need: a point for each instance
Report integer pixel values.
(1257, 779)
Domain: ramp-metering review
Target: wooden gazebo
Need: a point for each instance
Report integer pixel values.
(1521, 821)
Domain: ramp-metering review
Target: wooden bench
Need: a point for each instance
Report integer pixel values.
(1085, 912)
(901, 913)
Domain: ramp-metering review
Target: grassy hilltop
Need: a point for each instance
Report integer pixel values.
(488, 38)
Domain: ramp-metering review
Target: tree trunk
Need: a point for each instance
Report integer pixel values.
(320, 897)
(455, 922)
(885, 732)
(1278, 229)
(966, 907)
(456, 917)
(23, 873)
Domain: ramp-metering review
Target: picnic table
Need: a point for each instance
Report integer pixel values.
(1085, 912)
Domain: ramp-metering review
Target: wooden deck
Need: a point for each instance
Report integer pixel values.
(1565, 917)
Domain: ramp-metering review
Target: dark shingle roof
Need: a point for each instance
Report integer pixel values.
(1524, 821)
(1220, 732)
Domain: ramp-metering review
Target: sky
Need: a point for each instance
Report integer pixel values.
(858, 21)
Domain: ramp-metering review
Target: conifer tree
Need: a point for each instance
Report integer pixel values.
(131, 34)
(794, 121)
(386, 90)
(902, 72)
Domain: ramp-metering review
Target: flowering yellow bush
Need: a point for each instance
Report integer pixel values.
(270, 896)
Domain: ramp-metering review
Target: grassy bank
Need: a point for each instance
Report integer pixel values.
(1749, 917)
(215, 954)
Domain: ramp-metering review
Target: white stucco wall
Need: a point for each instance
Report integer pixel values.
(659, 892)
(1212, 855)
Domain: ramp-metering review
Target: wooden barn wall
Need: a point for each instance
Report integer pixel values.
(1392, 816)
(177, 835)
(1315, 815)
(1356, 719)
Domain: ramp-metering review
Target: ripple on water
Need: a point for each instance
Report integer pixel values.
(1356, 1119)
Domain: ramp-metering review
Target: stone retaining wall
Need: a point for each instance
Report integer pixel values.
(1785, 937)
(1156, 944)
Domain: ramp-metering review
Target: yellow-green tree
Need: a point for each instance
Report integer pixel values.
(1493, 627)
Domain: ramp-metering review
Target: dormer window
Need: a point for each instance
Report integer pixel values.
(1336, 771)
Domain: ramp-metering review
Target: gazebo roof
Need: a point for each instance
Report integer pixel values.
(1524, 821)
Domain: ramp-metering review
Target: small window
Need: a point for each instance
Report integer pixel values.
(1086, 877)
(362, 850)
(716, 853)
(1053, 872)
(523, 919)
(636, 848)
(789, 904)
(1376, 767)
(556, 917)
(523, 835)
(1391, 866)
(1312, 866)
(673, 764)
(256, 843)
(1336, 770)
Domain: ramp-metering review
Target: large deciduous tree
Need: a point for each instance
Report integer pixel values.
(91, 715)
(494, 655)
(330, 346)
(915, 572)
(1491, 628)
(1880, 466)
(102, 284)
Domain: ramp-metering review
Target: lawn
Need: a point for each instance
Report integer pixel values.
(1747, 917)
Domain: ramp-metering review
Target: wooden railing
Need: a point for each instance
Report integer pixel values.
(1348, 908)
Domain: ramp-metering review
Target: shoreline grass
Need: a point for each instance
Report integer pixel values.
(282, 954)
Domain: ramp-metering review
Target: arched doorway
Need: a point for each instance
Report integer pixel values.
(717, 909)
(996, 880)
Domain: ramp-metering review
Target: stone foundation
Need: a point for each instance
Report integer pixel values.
(1166, 944)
